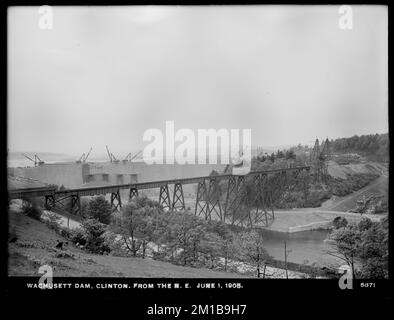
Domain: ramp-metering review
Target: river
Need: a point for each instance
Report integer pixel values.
(301, 246)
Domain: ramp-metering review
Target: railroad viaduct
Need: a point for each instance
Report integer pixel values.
(211, 201)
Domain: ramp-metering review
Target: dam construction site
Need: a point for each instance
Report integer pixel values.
(327, 189)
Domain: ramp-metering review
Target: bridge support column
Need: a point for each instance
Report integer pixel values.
(164, 197)
(116, 202)
(258, 202)
(201, 200)
(213, 200)
(76, 204)
(233, 198)
(50, 201)
(133, 193)
(178, 201)
(265, 203)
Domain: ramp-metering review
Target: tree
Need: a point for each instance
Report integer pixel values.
(223, 244)
(95, 241)
(365, 243)
(31, 208)
(290, 154)
(251, 250)
(127, 224)
(346, 245)
(148, 228)
(373, 252)
(280, 154)
(139, 223)
(186, 233)
(339, 222)
(210, 246)
(100, 209)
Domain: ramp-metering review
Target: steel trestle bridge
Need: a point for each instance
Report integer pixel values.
(212, 202)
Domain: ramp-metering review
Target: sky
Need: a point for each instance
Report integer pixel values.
(104, 75)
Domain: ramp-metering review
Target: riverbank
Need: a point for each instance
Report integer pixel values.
(308, 219)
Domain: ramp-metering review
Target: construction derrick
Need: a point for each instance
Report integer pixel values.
(37, 161)
(111, 156)
(130, 158)
(319, 160)
(84, 157)
(326, 156)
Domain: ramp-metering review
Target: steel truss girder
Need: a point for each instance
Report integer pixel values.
(116, 201)
(164, 197)
(178, 200)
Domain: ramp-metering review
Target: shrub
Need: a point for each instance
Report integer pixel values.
(52, 221)
(99, 209)
(31, 209)
(95, 242)
(65, 232)
(365, 224)
(339, 222)
(343, 187)
(115, 244)
(78, 235)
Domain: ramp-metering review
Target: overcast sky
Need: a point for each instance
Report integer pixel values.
(104, 75)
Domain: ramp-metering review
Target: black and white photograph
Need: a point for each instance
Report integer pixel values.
(219, 142)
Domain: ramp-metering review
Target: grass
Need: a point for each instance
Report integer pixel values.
(36, 241)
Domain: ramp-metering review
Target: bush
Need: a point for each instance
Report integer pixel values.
(339, 222)
(65, 232)
(78, 235)
(115, 244)
(31, 209)
(53, 221)
(95, 242)
(343, 187)
(99, 209)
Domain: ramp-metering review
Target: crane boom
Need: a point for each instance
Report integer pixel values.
(29, 158)
(39, 160)
(136, 155)
(87, 154)
(109, 154)
(114, 158)
(127, 157)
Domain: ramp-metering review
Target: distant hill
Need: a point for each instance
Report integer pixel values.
(19, 154)
(374, 147)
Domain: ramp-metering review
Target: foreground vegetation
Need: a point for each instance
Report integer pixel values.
(143, 229)
(363, 247)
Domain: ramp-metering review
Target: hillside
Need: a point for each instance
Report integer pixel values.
(344, 171)
(35, 247)
(374, 147)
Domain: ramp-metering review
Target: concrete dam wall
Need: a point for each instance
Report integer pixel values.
(75, 175)
(67, 174)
